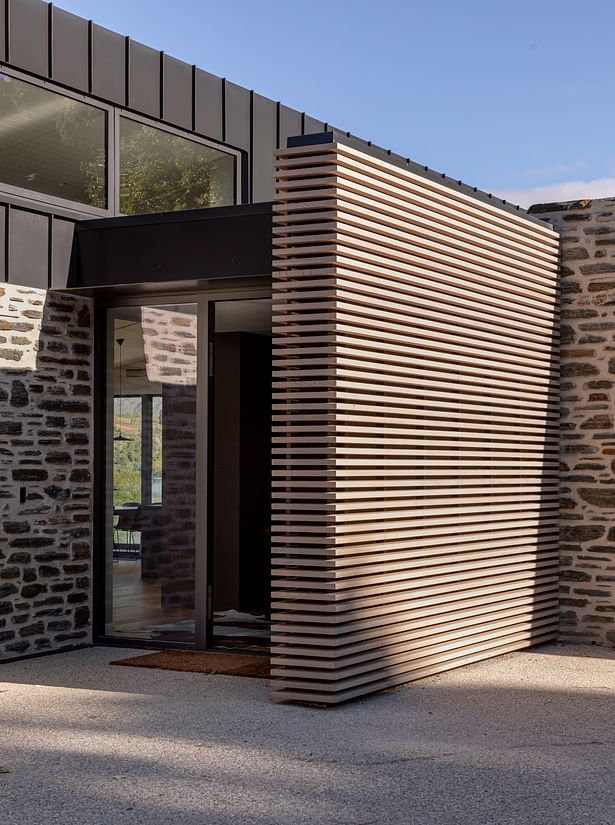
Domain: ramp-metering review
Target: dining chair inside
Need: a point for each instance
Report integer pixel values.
(128, 522)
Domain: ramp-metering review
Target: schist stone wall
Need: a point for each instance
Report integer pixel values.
(45, 470)
(170, 345)
(588, 418)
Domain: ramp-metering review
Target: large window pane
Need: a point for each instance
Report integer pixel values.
(151, 516)
(164, 172)
(52, 144)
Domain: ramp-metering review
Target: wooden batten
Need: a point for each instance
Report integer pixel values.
(415, 441)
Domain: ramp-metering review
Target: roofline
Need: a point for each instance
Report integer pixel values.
(348, 139)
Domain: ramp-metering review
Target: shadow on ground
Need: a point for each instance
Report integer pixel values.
(527, 738)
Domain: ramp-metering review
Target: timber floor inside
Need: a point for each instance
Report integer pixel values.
(136, 601)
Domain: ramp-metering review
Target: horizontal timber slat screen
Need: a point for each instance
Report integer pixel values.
(415, 466)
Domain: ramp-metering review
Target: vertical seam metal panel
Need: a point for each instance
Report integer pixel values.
(263, 146)
(28, 33)
(237, 105)
(3, 243)
(69, 49)
(50, 22)
(90, 54)
(289, 124)
(62, 240)
(7, 241)
(209, 105)
(49, 251)
(108, 65)
(415, 461)
(312, 126)
(144, 79)
(28, 260)
(177, 92)
(193, 100)
(238, 129)
(3, 29)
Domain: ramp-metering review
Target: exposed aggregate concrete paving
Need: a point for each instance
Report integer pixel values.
(525, 739)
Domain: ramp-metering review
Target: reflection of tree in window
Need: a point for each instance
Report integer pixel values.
(163, 172)
(52, 144)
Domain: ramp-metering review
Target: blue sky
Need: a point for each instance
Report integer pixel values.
(508, 96)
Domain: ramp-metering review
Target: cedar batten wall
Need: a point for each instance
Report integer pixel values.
(415, 522)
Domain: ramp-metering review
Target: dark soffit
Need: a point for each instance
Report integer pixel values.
(199, 244)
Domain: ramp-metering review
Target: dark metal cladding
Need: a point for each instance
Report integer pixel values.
(209, 105)
(289, 124)
(2, 244)
(237, 105)
(2, 29)
(108, 65)
(29, 35)
(264, 131)
(70, 50)
(176, 92)
(62, 237)
(144, 79)
(311, 125)
(126, 73)
(28, 248)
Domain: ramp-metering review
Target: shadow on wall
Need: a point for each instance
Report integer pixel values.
(46, 351)
(509, 600)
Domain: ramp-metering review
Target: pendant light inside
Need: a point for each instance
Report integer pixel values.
(120, 436)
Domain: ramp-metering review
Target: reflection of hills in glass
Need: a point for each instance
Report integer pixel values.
(131, 407)
(127, 455)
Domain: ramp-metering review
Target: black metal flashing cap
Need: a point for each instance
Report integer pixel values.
(366, 146)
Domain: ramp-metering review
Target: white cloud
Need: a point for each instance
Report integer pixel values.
(567, 191)
(557, 170)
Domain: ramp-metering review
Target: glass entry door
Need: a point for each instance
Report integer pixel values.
(152, 503)
(187, 454)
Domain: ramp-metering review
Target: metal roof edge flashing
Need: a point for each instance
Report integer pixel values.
(239, 210)
(347, 139)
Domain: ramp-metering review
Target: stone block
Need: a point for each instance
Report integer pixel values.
(46, 371)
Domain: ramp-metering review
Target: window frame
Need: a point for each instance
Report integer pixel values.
(53, 200)
(163, 127)
(112, 149)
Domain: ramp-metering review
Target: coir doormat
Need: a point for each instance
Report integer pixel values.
(198, 661)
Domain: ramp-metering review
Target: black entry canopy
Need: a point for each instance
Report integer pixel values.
(199, 244)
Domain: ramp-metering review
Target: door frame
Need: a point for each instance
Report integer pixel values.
(205, 299)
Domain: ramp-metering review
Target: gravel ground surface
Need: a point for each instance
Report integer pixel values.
(527, 738)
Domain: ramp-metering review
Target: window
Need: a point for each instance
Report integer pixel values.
(55, 145)
(164, 172)
(138, 453)
(52, 144)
